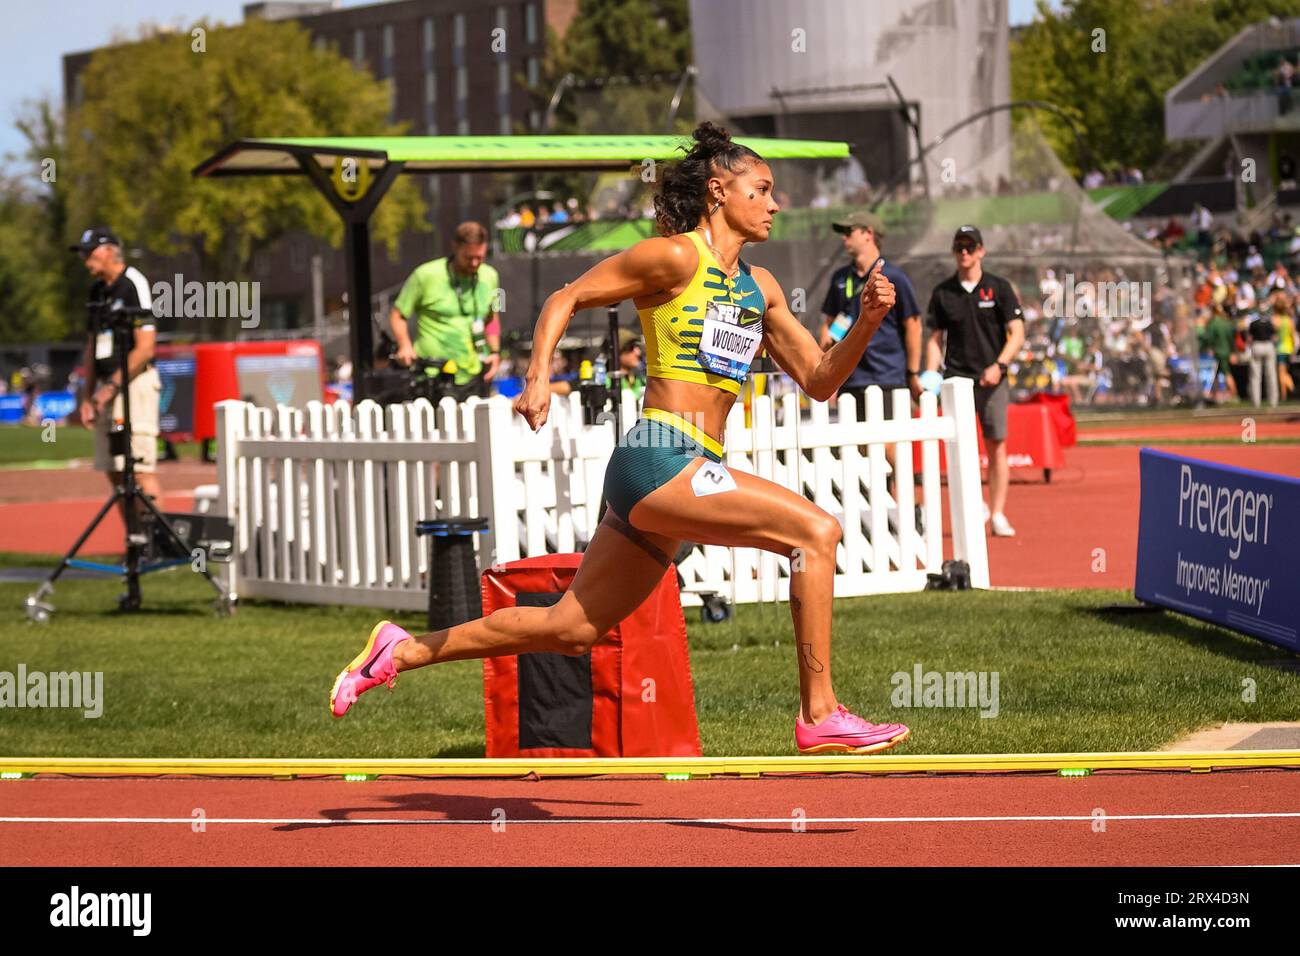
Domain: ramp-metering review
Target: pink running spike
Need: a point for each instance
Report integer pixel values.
(372, 667)
(843, 732)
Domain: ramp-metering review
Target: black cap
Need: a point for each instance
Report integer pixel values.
(969, 232)
(93, 238)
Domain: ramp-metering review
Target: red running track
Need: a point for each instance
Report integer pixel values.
(878, 821)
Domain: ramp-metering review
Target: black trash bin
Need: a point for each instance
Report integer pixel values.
(454, 595)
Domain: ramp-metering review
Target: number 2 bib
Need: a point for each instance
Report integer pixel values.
(727, 347)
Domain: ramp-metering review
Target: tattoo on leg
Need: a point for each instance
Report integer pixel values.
(795, 603)
(810, 662)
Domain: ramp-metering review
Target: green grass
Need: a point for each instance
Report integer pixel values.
(25, 444)
(181, 683)
(20, 444)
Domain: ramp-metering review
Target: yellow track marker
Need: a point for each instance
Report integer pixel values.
(696, 767)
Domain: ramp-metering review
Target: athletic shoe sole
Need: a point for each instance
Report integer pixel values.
(846, 749)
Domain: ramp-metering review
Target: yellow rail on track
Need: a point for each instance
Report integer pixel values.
(645, 766)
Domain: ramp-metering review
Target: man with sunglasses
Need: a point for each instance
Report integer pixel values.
(893, 357)
(976, 328)
(452, 303)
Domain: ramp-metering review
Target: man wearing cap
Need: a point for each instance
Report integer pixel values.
(118, 286)
(451, 301)
(976, 328)
(893, 357)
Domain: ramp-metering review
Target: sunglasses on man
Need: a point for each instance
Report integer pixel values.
(964, 247)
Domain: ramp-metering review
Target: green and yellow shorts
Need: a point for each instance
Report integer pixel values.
(651, 454)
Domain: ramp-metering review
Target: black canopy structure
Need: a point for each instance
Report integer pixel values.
(354, 173)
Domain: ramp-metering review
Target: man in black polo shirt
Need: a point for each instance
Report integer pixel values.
(979, 316)
(117, 284)
(893, 357)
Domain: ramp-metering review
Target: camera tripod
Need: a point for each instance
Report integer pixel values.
(142, 530)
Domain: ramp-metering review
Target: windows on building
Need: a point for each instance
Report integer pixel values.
(530, 23)
(430, 79)
(458, 39)
(462, 73)
(503, 95)
(386, 61)
(430, 103)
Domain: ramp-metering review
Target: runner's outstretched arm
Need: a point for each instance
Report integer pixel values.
(819, 373)
(651, 266)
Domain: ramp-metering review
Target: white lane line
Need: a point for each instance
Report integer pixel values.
(578, 821)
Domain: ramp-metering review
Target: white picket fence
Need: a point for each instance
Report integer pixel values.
(325, 500)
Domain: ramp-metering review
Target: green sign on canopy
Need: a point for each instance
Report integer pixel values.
(481, 153)
(354, 172)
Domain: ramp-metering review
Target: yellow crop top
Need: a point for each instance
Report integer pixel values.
(710, 333)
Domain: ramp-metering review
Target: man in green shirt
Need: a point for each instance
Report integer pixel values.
(452, 301)
(1218, 338)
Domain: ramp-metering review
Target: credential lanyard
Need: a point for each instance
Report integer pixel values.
(455, 287)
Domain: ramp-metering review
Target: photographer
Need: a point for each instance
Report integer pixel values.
(451, 301)
(119, 286)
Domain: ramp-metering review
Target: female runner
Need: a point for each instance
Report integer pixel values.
(705, 313)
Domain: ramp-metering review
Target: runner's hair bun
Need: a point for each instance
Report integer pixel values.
(683, 198)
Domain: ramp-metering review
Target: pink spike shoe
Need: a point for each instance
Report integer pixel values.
(372, 667)
(843, 732)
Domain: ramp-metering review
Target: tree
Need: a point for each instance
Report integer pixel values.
(623, 38)
(613, 40)
(42, 287)
(153, 110)
(1114, 81)
(33, 307)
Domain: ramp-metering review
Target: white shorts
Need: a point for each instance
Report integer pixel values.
(145, 390)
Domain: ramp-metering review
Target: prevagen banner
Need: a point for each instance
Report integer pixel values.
(1221, 544)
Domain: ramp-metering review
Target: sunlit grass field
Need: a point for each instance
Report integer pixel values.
(180, 682)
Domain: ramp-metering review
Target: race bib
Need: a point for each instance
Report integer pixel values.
(727, 347)
(712, 478)
(104, 345)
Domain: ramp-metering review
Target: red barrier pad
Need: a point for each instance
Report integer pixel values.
(1037, 431)
(1032, 438)
(1058, 406)
(630, 696)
